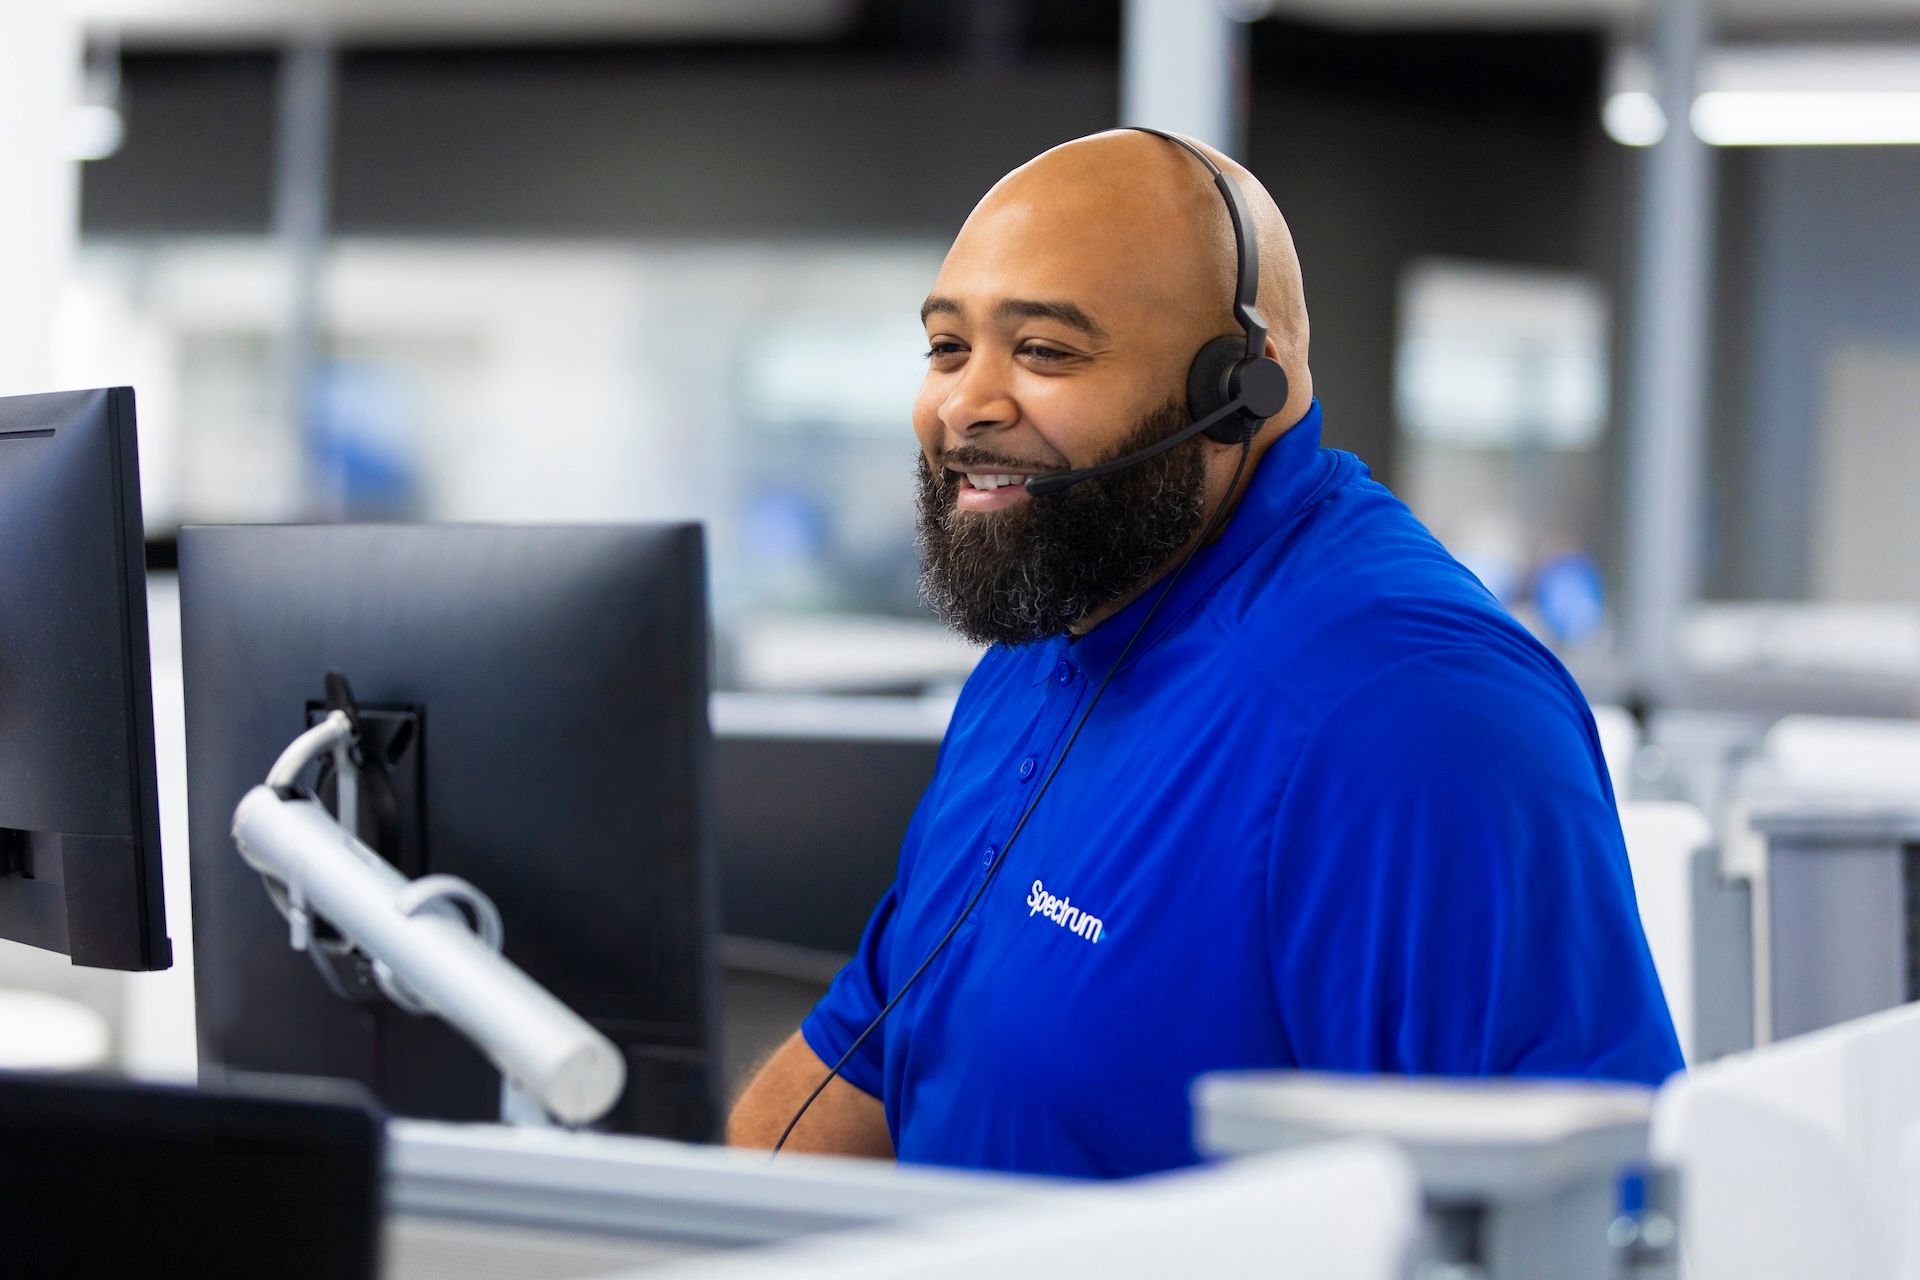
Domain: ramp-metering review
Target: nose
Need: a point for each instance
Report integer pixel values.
(978, 401)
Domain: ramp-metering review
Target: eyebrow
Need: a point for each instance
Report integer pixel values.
(1057, 309)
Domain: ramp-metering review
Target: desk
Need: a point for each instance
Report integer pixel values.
(474, 1201)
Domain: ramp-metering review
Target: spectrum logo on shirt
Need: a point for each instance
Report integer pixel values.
(1063, 913)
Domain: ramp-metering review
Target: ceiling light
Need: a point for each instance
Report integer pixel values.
(94, 131)
(95, 127)
(1634, 119)
(1727, 118)
(1777, 96)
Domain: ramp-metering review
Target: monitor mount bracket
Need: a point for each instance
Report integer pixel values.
(433, 944)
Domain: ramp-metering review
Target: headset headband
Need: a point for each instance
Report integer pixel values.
(1247, 286)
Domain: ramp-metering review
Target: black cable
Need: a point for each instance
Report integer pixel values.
(1206, 536)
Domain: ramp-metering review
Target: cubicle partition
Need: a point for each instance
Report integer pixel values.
(471, 1201)
(1843, 912)
(1794, 1160)
(1341, 1211)
(1698, 926)
(812, 795)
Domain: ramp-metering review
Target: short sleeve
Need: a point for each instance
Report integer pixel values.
(855, 998)
(1449, 889)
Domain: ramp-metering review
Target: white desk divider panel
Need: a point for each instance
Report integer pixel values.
(1844, 756)
(1620, 744)
(1519, 1179)
(1662, 843)
(1697, 924)
(1791, 1159)
(474, 1200)
(1910, 1210)
(1336, 1211)
(43, 1032)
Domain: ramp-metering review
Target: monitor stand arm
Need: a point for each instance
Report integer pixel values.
(435, 942)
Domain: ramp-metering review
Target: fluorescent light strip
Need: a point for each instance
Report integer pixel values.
(1730, 118)
(1787, 118)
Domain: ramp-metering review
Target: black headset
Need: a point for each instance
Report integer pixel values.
(1232, 385)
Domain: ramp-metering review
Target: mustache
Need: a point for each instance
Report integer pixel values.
(972, 457)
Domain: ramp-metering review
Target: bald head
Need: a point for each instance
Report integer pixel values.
(1136, 222)
(1060, 332)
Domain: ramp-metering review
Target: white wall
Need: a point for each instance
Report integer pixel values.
(39, 214)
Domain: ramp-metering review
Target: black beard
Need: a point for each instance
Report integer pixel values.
(1036, 569)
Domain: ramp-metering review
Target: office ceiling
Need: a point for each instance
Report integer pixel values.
(213, 22)
(204, 22)
(1529, 13)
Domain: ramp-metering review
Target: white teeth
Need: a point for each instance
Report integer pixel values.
(990, 481)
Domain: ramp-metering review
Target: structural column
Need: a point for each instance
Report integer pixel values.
(1665, 502)
(302, 197)
(1184, 69)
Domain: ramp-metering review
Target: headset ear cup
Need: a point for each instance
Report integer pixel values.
(1207, 377)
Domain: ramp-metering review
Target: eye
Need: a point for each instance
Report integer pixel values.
(1045, 354)
(944, 347)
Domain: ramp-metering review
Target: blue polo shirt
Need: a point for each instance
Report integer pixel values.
(1339, 812)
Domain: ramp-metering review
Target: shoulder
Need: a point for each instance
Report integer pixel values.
(1463, 710)
(1358, 597)
(1442, 789)
(1446, 775)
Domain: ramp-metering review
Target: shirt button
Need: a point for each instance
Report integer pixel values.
(1026, 768)
(986, 863)
(1063, 674)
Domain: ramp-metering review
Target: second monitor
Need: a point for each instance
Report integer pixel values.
(536, 700)
(79, 807)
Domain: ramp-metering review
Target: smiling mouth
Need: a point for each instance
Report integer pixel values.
(988, 481)
(981, 487)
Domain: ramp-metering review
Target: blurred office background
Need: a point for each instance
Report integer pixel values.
(661, 259)
(650, 259)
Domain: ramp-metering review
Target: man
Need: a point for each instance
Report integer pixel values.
(1335, 811)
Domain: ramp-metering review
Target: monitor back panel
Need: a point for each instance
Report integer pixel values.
(104, 1178)
(559, 680)
(79, 816)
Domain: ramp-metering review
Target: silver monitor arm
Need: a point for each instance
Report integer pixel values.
(427, 956)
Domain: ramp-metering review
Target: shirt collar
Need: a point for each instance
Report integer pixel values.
(1286, 477)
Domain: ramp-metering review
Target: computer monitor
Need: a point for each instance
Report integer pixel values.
(539, 698)
(79, 817)
(105, 1178)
